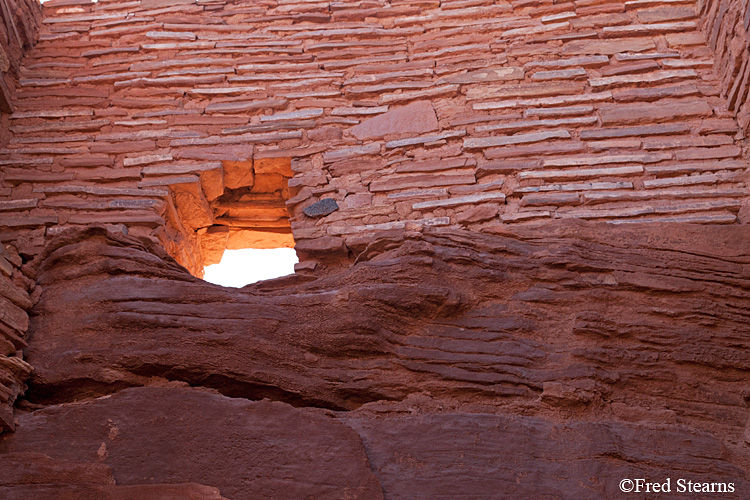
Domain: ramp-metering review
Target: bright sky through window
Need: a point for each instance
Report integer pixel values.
(242, 267)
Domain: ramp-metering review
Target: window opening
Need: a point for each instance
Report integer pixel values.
(242, 267)
(251, 239)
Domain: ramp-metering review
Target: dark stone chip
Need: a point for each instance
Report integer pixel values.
(321, 208)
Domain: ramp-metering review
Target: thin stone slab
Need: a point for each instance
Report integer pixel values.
(488, 142)
(321, 208)
(415, 118)
(460, 200)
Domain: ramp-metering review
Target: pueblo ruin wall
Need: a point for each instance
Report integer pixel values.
(204, 125)
(522, 227)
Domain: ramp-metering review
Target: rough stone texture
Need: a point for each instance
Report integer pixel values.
(116, 95)
(244, 449)
(321, 208)
(19, 24)
(477, 455)
(726, 25)
(416, 118)
(187, 491)
(14, 323)
(34, 475)
(461, 327)
(553, 359)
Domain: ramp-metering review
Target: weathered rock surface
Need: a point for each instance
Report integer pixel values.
(415, 118)
(14, 322)
(20, 23)
(404, 321)
(176, 435)
(27, 475)
(187, 491)
(477, 455)
(624, 348)
(115, 95)
(426, 349)
(321, 208)
(726, 26)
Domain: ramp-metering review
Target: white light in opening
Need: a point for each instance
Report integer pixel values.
(242, 267)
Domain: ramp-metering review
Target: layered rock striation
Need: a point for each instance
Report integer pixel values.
(727, 28)
(554, 360)
(19, 24)
(522, 226)
(192, 122)
(15, 302)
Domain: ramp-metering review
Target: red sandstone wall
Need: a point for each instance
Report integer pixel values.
(470, 114)
(14, 321)
(579, 353)
(727, 27)
(19, 23)
(544, 362)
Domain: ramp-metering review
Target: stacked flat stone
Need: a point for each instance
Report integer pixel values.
(727, 28)
(14, 321)
(408, 114)
(19, 24)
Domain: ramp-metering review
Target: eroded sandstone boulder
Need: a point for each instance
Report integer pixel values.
(157, 436)
(544, 362)
(447, 454)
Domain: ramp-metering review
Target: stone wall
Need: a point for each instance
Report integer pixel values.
(727, 27)
(19, 23)
(14, 322)
(147, 116)
(534, 248)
